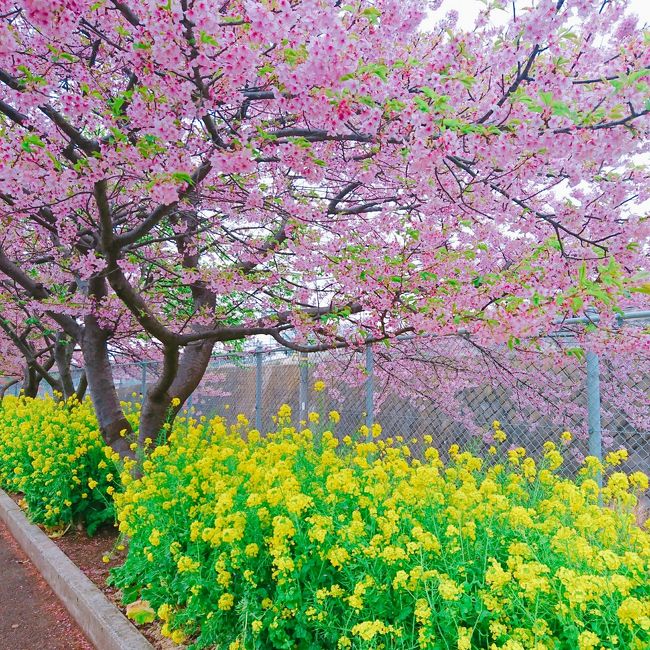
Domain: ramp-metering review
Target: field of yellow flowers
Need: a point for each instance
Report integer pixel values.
(51, 452)
(299, 539)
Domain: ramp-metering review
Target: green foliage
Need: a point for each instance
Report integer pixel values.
(52, 453)
(299, 539)
(30, 141)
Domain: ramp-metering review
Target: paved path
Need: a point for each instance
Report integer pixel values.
(31, 617)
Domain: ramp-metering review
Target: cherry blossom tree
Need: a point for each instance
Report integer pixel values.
(318, 172)
(34, 348)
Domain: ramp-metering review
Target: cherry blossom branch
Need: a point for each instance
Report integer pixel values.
(37, 291)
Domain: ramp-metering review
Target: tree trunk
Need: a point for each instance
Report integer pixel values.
(82, 385)
(7, 386)
(102, 387)
(156, 404)
(31, 381)
(63, 349)
(42, 373)
(153, 417)
(190, 369)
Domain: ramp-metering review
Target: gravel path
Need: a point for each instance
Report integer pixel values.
(31, 617)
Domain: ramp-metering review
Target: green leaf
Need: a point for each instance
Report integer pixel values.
(578, 353)
(378, 69)
(466, 79)
(561, 109)
(422, 105)
(140, 612)
(264, 135)
(229, 20)
(32, 78)
(301, 142)
(116, 104)
(394, 105)
(617, 83)
(512, 341)
(30, 141)
(204, 37)
(638, 74)
(643, 288)
(184, 177)
(429, 92)
(527, 101)
(372, 14)
(55, 161)
(366, 101)
(582, 274)
(546, 97)
(294, 56)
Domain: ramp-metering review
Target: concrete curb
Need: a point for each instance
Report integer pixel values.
(104, 625)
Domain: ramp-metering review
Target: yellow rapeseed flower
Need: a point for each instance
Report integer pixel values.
(226, 601)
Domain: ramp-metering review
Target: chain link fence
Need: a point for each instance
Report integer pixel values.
(452, 390)
(453, 395)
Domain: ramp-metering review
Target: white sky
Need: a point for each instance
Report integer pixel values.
(469, 9)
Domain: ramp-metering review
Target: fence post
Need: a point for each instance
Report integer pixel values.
(593, 409)
(370, 386)
(143, 379)
(303, 388)
(258, 388)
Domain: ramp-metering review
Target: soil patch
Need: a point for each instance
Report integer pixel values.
(88, 553)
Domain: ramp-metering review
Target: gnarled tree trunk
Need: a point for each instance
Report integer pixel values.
(5, 387)
(82, 385)
(102, 387)
(63, 349)
(31, 381)
(179, 378)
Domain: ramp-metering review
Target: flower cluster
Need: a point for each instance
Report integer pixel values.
(52, 453)
(299, 539)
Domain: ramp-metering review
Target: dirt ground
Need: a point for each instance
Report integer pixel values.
(87, 553)
(31, 616)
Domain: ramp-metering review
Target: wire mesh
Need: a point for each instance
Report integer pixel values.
(427, 389)
(229, 387)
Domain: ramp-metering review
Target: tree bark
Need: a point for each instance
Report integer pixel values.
(191, 369)
(63, 349)
(7, 386)
(179, 382)
(31, 381)
(157, 402)
(102, 387)
(82, 385)
(180, 376)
